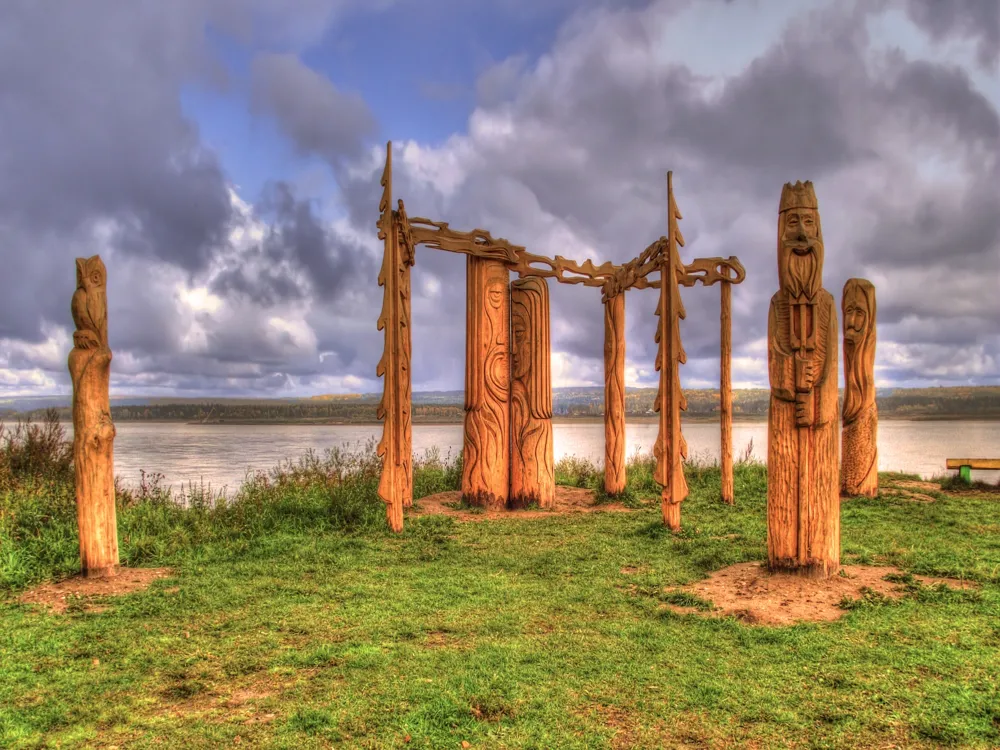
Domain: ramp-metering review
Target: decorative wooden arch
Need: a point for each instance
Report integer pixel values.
(490, 260)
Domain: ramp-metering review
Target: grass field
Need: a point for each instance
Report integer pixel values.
(292, 619)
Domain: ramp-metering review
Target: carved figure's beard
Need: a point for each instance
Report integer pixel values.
(803, 272)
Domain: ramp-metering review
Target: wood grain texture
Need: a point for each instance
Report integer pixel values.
(803, 502)
(93, 430)
(532, 465)
(859, 455)
(486, 453)
(670, 448)
(726, 394)
(396, 446)
(614, 395)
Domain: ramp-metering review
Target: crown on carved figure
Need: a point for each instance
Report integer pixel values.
(799, 195)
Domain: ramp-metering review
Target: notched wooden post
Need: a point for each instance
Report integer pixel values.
(859, 450)
(532, 465)
(93, 430)
(670, 449)
(395, 486)
(726, 394)
(803, 502)
(614, 394)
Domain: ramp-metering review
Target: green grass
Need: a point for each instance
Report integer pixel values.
(293, 619)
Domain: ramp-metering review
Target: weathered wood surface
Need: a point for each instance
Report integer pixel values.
(803, 499)
(396, 446)
(532, 465)
(93, 430)
(614, 395)
(726, 394)
(486, 456)
(973, 463)
(859, 446)
(670, 448)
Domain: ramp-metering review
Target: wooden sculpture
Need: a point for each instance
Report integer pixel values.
(507, 411)
(803, 503)
(93, 430)
(486, 457)
(532, 464)
(726, 394)
(859, 449)
(670, 449)
(614, 394)
(395, 486)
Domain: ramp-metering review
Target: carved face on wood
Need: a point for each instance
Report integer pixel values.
(858, 309)
(800, 252)
(530, 353)
(497, 370)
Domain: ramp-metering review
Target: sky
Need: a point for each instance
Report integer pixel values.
(223, 158)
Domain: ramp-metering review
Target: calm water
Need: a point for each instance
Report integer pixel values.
(220, 455)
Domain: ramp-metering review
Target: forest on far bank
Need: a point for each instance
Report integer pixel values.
(979, 402)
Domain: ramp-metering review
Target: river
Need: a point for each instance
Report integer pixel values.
(218, 456)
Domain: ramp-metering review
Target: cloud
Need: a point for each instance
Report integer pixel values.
(318, 117)
(565, 153)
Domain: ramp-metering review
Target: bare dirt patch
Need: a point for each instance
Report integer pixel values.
(750, 593)
(79, 591)
(568, 500)
(904, 494)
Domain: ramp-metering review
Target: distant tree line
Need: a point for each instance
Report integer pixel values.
(925, 403)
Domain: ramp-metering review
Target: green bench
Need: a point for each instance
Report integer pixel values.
(966, 465)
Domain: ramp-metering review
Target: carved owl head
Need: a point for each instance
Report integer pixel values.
(90, 273)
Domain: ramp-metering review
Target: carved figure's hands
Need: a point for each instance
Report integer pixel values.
(804, 412)
(805, 374)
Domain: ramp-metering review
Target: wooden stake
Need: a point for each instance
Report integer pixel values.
(93, 430)
(614, 395)
(726, 394)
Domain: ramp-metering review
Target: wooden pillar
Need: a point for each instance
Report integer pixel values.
(671, 448)
(532, 465)
(486, 454)
(859, 450)
(93, 430)
(396, 448)
(803, 503)
(726, 394)
(614, 395)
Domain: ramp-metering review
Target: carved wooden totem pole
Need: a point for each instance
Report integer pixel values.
(670, 449)
(803, 502)
(395, 486)
(614, 394)
(93, 430)
(532, 464)
(486, 456)
(859, 450)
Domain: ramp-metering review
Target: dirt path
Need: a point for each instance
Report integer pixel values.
(568, 500)
(749, 592)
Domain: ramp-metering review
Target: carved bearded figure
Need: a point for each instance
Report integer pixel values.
(803, 503)
(532, 466)
(859, 465)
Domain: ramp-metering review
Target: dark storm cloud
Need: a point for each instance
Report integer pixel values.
(318, 117)
(972, 19)
(298, 257)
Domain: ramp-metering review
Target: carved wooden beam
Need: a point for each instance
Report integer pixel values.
(478, 243)
(707, 271)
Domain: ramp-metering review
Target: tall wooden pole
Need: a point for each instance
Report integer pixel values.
(532, 464)
(93, 430)
(486, 452)
(614, 395)
(396, 448)
(726, 394)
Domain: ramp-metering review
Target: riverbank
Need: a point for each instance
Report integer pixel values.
(289, 616)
